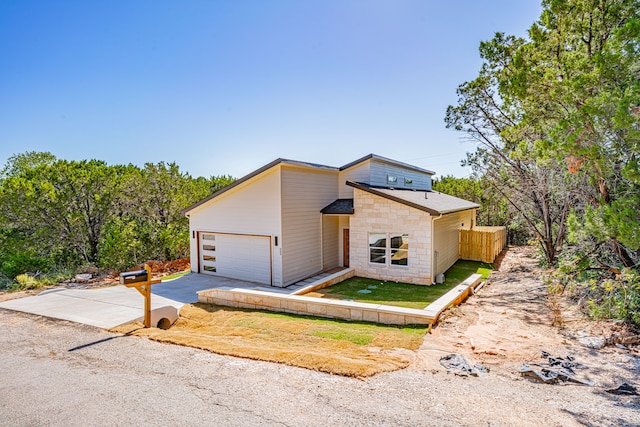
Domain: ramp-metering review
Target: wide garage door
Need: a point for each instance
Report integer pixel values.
(237, 256)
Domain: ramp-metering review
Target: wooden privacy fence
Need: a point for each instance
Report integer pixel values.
(482, 243)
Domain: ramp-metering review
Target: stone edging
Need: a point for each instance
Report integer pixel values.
(347, 310)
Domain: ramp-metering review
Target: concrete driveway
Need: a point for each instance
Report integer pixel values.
(113, 306)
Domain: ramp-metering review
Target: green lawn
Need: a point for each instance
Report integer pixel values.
(401, 294)
(175, 275)
(463, 269)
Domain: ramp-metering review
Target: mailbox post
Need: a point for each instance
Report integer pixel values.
(141, 280)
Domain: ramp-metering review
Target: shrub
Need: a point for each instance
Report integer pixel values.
(120, 247)
(24, 281)
(22, 262)
(617, 298)
(5, 282)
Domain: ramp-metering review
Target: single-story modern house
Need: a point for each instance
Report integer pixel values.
(290, 220)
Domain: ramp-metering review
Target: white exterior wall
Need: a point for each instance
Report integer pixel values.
(357, 173)
(304, 193)
(447, 238)
(251, 208)
(376, 214)
(380, 170)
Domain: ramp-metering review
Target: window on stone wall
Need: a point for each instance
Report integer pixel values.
(389, 248)
(378, 248)
(399, 248)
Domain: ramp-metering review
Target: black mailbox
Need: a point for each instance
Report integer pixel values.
(133, 277)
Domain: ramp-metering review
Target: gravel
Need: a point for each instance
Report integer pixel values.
(60, 373)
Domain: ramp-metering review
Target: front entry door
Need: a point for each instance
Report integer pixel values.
(345, 247)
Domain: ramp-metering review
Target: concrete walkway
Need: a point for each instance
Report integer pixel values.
(113, 306)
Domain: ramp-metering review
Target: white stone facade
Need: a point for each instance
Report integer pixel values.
(375, 214)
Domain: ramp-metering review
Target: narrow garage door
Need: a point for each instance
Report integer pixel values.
(236, 256)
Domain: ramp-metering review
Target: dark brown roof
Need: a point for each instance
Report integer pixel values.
(433, 202)
(303, 164)
(339, 207)
(254, 174)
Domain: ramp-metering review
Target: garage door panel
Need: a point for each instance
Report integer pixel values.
(240, 257)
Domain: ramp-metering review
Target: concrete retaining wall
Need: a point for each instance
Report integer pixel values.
(347, 310)
(332, 279)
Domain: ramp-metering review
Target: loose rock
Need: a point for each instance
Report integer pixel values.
(458, 364)
(624, 389)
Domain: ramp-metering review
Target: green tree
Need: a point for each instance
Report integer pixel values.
(494, 208)
(505, 158)
(19, 163)
(148, 222)
(556, 117)
(167, 192)
(62, 213)
(558, 120)
(580, 74)
(63, 203)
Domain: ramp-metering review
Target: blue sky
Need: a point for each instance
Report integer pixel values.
(226, 87)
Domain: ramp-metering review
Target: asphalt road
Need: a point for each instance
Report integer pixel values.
(58, 373)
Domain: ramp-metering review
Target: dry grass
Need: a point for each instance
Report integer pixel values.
(338, 347)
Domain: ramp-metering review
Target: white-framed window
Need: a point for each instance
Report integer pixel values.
(378, 248)
(392, 179)
(389, 249)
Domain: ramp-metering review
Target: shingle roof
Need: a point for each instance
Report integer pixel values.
(339, 207)
(429, 201)
(302, 164)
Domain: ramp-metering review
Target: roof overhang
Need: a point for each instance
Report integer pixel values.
(254, 174)
(397, 196)
(339, 207)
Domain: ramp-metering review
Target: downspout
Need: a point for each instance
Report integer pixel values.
(434, 255)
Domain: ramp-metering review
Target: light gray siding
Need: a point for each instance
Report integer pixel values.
(330, 242)
(358, 173)
(304, 193)
(380, 171)
(447, 238)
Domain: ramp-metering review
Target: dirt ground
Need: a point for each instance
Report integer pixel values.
(509, 322)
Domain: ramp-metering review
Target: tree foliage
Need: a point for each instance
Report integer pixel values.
(56, 212)
(557, 119)
(495, 209)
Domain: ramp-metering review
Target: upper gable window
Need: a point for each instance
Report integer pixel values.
(408, 181)
(392, 179)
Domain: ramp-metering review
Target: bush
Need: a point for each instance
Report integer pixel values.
(5, 282)
(604, 293)
(617, 298)
(23, 262)
(120, 247)
(24, 281)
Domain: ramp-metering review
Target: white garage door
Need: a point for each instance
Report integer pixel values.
(237, 256)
